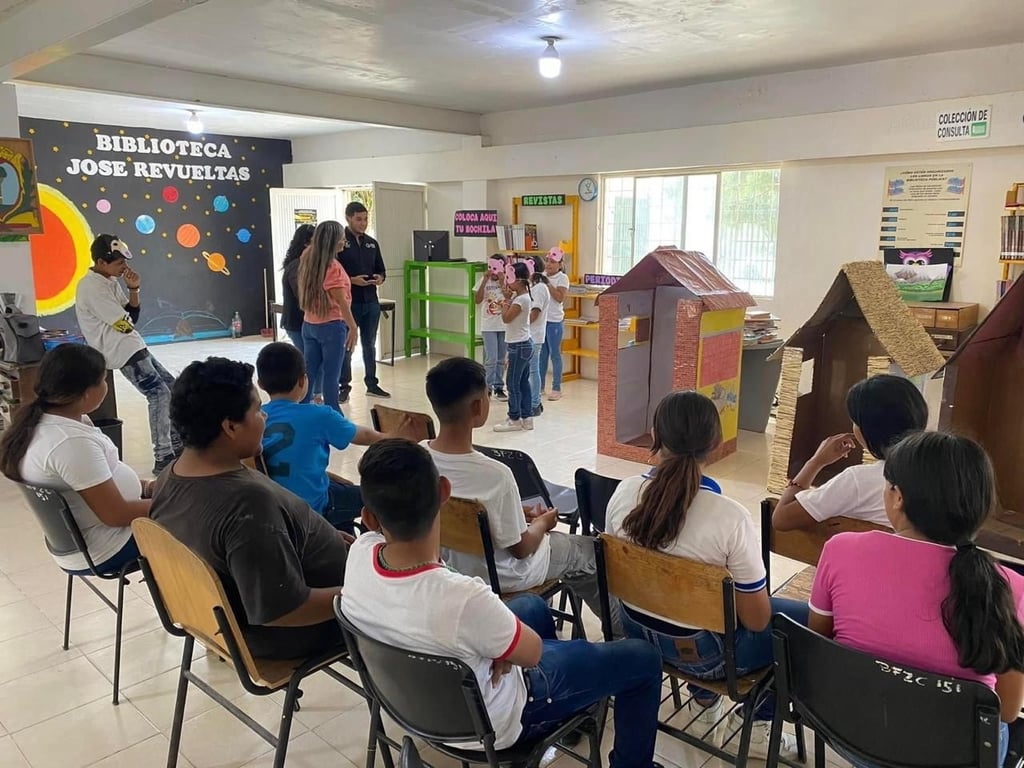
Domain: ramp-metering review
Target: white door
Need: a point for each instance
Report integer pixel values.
(398, 209)
(291, 207)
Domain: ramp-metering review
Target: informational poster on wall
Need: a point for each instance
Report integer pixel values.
(305, 216)
(925, 207)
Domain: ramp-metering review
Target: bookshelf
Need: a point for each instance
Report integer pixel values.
(1011, 252)
(418, 294)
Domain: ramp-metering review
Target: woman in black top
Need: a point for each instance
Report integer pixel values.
(292, 315)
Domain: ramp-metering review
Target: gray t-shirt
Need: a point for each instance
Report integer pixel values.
(268, 547)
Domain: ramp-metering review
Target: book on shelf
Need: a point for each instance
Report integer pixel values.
(518, 237)
(1012, 240)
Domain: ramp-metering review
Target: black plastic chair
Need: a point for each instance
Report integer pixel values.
(593, 492)
(876, 711)
(410, 756)
(64, 537)
(438, 699)
(533, 488)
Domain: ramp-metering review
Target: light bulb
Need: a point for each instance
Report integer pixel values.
(194, 124)
(549, 64)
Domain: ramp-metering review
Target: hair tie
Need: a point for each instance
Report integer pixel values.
(965, 546)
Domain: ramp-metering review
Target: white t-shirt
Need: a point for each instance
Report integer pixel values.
(556, 312)
(717, 531)
(541, 300)
(518, 330)
(490, 307)
(70, 456)
(481, 478)
(855, 492)
(437, 611)
(100, 307)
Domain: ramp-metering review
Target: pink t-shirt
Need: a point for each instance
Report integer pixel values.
(336, 277)
(884, 593)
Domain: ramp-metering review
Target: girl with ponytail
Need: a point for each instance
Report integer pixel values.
(52, 443)
(926, 596)
(516, 315)
(677, 510)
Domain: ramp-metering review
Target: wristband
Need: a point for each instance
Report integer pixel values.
(133, 289)
(795, 484)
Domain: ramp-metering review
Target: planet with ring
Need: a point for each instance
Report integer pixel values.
(216, 262)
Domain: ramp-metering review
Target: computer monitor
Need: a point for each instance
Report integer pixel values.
(430, 245)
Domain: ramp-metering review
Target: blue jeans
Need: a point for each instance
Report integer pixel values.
(296, 339)
(324, 348)
(753, 649)
(520, 401)
(344, 505)
(494, 358)
(367, 315)
(154, 383)
(552, 349)
(575, 674)
(535, 383)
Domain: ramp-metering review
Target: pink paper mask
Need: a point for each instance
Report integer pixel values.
(495, 266)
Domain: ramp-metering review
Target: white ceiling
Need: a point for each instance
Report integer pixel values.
(87, 107)
(480, 55)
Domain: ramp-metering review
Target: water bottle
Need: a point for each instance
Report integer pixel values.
(236, 326)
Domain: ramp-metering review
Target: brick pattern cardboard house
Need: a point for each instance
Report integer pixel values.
(673, 322)
(861, 328)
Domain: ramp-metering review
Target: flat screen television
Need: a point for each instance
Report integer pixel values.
(430, 245)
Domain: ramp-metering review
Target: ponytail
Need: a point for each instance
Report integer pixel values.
(657, 519)
(17, 437)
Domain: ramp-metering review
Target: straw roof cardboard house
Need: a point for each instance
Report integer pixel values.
(673, 322)
(861, 328)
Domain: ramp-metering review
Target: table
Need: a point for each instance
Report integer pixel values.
(387, 311)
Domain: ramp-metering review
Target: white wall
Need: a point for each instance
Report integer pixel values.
(372, 142)
(15, 258)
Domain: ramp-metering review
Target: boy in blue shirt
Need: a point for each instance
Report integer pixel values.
(298, 438)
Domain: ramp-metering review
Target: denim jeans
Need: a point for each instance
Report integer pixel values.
(344, 505)
(367, 315)
(324, 347)
(575, 674)
(296, 339)
(535, 383)
(494, 358)
(520, 400)
(753, 649)
(154, 383)
(552, 349)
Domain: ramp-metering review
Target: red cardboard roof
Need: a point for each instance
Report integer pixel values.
(1006, 320)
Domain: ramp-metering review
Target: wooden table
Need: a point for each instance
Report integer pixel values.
(798, 586)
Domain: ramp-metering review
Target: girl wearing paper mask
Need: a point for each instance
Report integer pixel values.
(490, 293)
(558, 287)
(516, 315)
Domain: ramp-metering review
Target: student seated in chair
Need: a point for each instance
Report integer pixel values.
(399, 592)
(527, 551)
(883, 410)
(298, 438)
(676, 510)
(926, 596)
(281, 563)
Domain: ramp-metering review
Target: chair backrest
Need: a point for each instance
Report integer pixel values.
(389, 420)
(900, 716)
(805, 545)
(465, 529)
(593, 492)
(190, 593)
(61, 532)
(433, 697)
(531, 485)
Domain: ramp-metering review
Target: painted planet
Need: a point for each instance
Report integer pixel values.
(243, 235)
(145, 224)
(103, 205)
(216, 262)
(221, 203)
(188, 236)
(170, 194)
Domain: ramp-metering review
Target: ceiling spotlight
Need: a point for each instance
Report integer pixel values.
(549, 64)
(194, 124)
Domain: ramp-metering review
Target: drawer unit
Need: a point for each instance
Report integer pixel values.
(948, 339)
(951, 315)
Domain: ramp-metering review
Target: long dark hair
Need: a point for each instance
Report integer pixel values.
(948, 490)
(303, 236)
(522, 273)
(686, 430)
(886, 408)
(327, 239)
(65, 374)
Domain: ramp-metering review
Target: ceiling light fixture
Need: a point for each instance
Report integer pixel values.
(194, 124)
(549, 63)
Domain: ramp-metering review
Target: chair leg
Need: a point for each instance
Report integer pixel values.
(743, 751)
(179, 702)
(67, 611)
(819, 751)
(117, 634)
(595, 746)
(801, 743)
(291, 701)
(371, 747)
(677, 699)
(578, 631)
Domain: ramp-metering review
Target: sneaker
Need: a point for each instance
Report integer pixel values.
(528, 425)
(161, 464)
(376, 391)
(759, 735)
(537, 410)
(710, 714)
(343, 394)
(509, 426)
(555, 396)
(499, 394)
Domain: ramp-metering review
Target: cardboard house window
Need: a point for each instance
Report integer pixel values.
(634, 331)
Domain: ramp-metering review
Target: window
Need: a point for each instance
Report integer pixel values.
(731, 217)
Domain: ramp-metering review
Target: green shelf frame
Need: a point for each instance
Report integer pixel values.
(416, 284)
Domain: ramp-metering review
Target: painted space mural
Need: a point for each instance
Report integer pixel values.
(195, 211)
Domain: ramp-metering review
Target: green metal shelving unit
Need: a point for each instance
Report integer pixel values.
(418, 294)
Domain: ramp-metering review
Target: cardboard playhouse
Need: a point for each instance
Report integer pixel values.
(981, 398)
(861, 328)
(673, 322)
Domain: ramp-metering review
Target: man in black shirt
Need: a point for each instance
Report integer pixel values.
(364, 264)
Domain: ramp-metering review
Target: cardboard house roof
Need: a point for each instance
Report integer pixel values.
(688, 269)
(1006, 320)
(900, 334)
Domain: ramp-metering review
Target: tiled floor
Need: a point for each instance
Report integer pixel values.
(55, 709)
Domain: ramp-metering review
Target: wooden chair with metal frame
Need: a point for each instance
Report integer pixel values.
(465, 529)
(389, 420)
(696, 595)
(191, 602)
(63, 537)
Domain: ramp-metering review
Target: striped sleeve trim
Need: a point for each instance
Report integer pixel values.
(818, 610)
(754, 586)
(515, 641)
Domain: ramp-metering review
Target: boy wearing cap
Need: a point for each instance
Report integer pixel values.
(107, 318)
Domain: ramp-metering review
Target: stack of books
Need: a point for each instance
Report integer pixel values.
(518, 237)
(1012, 247)
(760, 326)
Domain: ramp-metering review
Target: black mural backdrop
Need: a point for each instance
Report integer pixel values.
(195, 211)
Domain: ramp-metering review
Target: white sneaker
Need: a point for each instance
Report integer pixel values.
(528, 424)
(708, 716)
(759, 736)
(509, 426)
